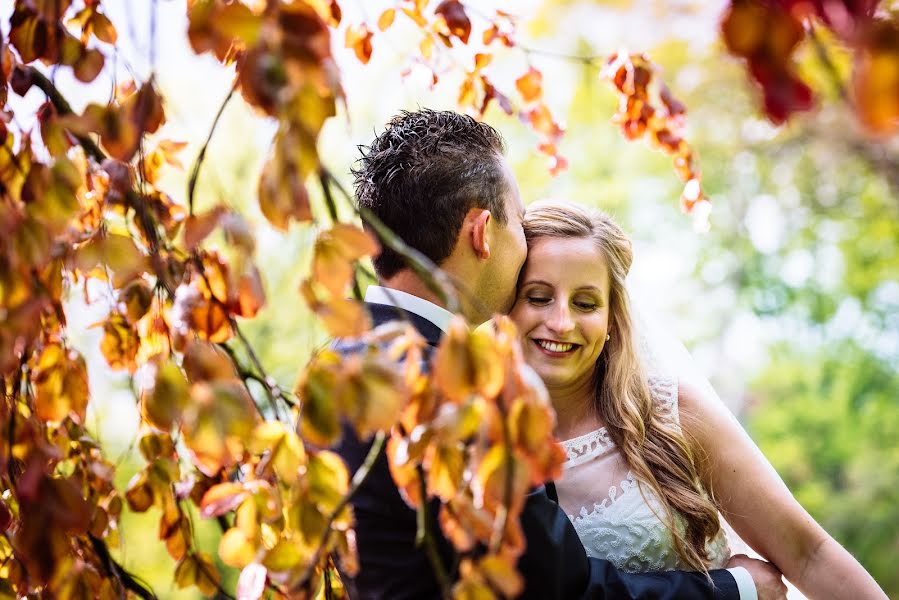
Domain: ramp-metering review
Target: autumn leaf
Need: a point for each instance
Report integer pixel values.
(163, 402)
(334, 252)
(120, 343)
(456, 19)
(60, 382)
(358, 37)
(217, 424)
(386, 19)
(467, 363)
(199, 570)
(327, 479)
(530, 85)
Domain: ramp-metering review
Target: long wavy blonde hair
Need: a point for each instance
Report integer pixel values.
(653, 445)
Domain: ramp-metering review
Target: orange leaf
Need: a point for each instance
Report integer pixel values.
(198, 227)
(334, 251)
(530, 85)
(468, 363)
(358, 37)
(340, 317)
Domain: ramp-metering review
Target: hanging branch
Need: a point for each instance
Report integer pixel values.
(195, 170)
(359, 478)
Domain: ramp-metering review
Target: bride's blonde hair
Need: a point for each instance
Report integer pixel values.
(653, 445)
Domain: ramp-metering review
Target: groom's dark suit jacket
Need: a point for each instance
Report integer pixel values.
(554, 565)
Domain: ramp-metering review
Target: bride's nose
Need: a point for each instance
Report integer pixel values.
(559, 319)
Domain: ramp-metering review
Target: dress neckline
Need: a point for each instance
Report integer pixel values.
(587, 447)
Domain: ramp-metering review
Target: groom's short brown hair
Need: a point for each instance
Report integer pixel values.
(423, 174)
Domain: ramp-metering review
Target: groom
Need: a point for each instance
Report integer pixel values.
(440, 181)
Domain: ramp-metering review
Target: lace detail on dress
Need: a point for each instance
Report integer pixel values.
(586, 447)
(625, 527)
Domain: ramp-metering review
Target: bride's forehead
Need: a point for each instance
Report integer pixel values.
(566, 259)
(551, 249)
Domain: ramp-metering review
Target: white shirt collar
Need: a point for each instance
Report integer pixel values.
(437, 315)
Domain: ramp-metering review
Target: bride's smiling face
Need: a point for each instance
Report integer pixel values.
(562, 308)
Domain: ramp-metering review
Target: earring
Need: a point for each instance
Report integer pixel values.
(608, 337)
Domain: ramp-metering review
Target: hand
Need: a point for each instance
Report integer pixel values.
(767, 578)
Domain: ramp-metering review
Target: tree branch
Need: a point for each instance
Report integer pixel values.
(359, 478)
(195, 171)
(424, 537)
(118, 571)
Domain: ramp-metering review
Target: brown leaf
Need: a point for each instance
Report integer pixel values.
(340, 317)
(204, 362)
(198, 227)
(456, 20)
(199, 570)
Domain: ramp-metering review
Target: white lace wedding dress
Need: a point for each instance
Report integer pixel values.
(614, 520)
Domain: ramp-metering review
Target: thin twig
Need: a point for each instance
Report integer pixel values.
(195, 171)
(335, 218)
(128, 580)
(424, 537)
(827, 61)
(585, 59)
(359, 478)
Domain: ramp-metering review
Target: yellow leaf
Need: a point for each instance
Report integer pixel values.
(163, 402)
(319, 423)
(120, 343)
(60, 382)
(370, 394)
(501, 573)
(327, 479)
(287, 555)
(445, 466)
(235, 549)
(217, 424)
(386, 19)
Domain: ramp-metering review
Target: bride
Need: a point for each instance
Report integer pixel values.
(654, 465)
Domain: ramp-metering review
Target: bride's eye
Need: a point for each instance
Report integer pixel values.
(586, 306)
(538, 300)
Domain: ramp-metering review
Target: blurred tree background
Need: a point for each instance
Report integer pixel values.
(790, 303)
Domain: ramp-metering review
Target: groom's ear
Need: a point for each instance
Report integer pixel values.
(478, 219)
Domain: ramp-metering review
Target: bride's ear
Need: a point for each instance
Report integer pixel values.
(479, 219)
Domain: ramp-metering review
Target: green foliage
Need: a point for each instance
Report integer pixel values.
(829, 422)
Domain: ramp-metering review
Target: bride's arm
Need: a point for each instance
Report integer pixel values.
(761, 509)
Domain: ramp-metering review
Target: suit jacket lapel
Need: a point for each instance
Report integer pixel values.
(384, 313)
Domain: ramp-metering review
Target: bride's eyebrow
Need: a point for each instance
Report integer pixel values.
(536, 282)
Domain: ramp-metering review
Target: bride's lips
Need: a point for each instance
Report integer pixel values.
(555, 349)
